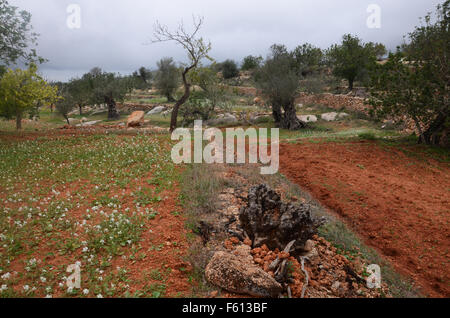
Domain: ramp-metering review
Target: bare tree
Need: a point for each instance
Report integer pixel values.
(196, 48)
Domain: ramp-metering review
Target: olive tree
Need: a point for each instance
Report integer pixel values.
(251, 63)
(196, 48)
(279, 82)
(352, 58)
(67, 102)
(415, 81)
(167, 78)
(80, 91)
(307, 58)
(107, 88)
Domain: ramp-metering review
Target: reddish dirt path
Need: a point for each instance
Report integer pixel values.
(400, 205)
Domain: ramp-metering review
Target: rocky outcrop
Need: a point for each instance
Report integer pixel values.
(236, 272)
(269, 221)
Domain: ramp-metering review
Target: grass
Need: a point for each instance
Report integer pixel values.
(203, 183)
(64, 201)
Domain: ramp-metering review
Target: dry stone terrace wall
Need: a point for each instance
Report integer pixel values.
(338, 102)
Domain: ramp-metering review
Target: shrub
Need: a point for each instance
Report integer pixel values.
(229, 69)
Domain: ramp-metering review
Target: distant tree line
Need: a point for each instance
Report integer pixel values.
(413, 82)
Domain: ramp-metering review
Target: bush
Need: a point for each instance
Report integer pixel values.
(229, 69)
(367, 136)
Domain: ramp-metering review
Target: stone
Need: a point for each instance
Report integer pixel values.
(257, 101)
(156, 110)
(136, 119)
(334, 116)
(225, 119)
(238, 274)
(308, 118)
(329, 116)
(89, 123)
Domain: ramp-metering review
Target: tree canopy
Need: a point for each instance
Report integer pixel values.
(167, 78)
(279, 82)
(352, 58)
(251, 62)
(415, 81)
(17, 39)
(23, 91)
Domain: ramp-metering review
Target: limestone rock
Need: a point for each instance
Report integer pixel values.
(330, 116)
(239, 274)
(308, 118)
(156, 110)
(136, 119)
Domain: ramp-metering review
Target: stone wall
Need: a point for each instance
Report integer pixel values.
(337, 102)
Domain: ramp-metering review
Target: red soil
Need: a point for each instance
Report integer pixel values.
(400, 205)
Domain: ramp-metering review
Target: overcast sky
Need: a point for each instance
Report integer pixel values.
(114, 33)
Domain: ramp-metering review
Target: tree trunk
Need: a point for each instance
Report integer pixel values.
(170, 99)
(67, 119)
(419, 129)
(434, 134)
(81, 110)
(277, 114)
(351, 83)
(112, 109)
(183, 99)
(290, 119)
(19, 121)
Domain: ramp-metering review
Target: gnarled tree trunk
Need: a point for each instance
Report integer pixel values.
(290, 120)
(437, 132)
(112, 109)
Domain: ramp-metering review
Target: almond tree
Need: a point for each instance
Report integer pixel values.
(23, 91)
(196, 48)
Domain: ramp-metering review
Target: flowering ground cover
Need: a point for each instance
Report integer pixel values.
(107, 203)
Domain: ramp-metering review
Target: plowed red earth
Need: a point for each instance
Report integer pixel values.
(399, 204)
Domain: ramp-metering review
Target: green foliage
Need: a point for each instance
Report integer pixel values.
(415, 81)
(24, 91)
(142, 78)
(80, 91)
(308, 59)
(279, 82)
(16, 36)
(206, 78)
(351, 59)
(229, 69)
(65, 105)
(106, 86)
(251, 62)
(167, 78)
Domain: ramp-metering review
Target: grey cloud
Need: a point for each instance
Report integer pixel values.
(114, 32)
